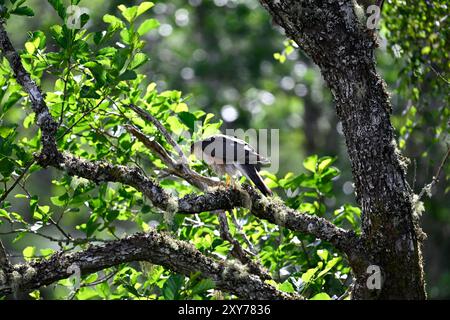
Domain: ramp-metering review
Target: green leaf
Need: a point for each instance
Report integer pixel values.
(138, 60)
(188, 119)
(12, 100)
(321, 296)
(172, 287)
(84, 18)
(329, 266)
(7, 167)
(23, 11)
(147, 25)
(89, 92)
(128, 13)
(202, 286)
(309, 274)
(47, 252)
(425, 50)
(286, 287)
(310, 163)
(323, 254)
(36, 295)
(60, 200)
(91, 225)
(56, 32)
(30, 47)
(29, 119)
(91, 278)
(113, 21)
(181, 107)
(97, 71)
(4, 214)
(125, 35)
(143, 7)
(29, 252)
(59, 7)
(87, 293)
(325, 162)
(128, 75)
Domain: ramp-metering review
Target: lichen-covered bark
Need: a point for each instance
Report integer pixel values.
(273, 210)
(4, 262)
(100, 171)
(153, 247)
(338, 41)
(44, 119)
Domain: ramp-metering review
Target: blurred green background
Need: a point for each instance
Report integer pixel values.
(220, 54)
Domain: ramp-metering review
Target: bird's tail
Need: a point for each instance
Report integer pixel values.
(252, 174)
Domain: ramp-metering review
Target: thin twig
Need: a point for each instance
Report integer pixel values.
(242, 234)
(105, 278)
(427, 188)
(73, 241)
(4, 261)
(147, 116)
(53, 222)
(81, 118)
(237, 251)
(180, 170)
(63, 104)
(308, 261)
(11, 188)
(438, 74)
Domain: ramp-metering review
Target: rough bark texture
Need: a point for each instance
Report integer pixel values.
(4, 262)
(338, 41)
(44, 119)
(157, 248)
(154, 247)
(330, 33)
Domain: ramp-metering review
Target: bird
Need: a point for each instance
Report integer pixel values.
(232, 156)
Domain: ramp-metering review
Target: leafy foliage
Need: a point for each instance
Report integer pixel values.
(90, 77)
(418, 35)
(96, 77)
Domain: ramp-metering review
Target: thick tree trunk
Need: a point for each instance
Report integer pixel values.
(338, 41)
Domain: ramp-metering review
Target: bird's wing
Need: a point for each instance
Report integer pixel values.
(232, 150)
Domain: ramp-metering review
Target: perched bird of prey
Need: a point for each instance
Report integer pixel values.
(231, 156)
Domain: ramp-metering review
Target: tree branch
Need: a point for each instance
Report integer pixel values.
(147, 116)
(336, 36)
(17, 181)
(4, 261)
(100, 171)
(153, 247)
(427, 188)
(272, 210)
(44, 119)
(237, 250)
(180, 170)
(269, 209)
